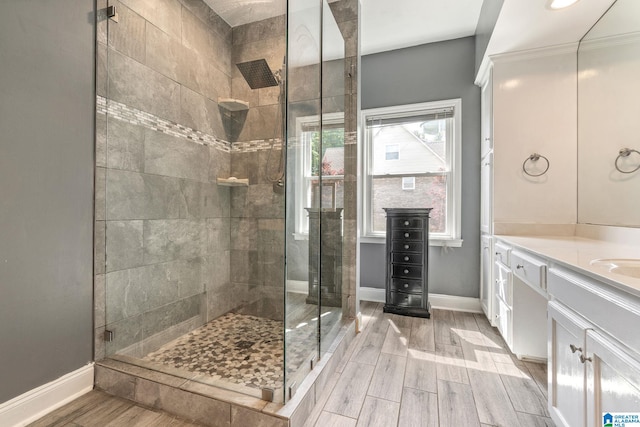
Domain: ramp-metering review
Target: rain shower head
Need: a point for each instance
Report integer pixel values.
(257, 74)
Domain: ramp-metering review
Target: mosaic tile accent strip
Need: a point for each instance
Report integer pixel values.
(134, 116)
(257, 145)
(350, 138)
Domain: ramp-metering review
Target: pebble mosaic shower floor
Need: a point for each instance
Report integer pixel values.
(239, 348)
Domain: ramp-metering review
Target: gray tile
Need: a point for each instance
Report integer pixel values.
(257, 201)
(169, 315)
(219, 234)
(200, 9)
(114, 382)
(126, 294)
(99, 250)
(216, 272)
(200, 74)
(124, 245)
(418, 409)
(219, 165)
(162, 52)
(197, 35)
(125, 146)
(241, 417)
(176, 157)
(173, 239)
(491, 399)
(204, 200)
(261, 123)
(378, 413)
(99, 300)
(139, 86)
(100, 193)
(201, 113)
(128, 34)
(131, 195)
(260, 30)
(451, 365)
(162, 13)
(350, 391)
(421, 371)
(183, 403)
(345, 10)
(244, 232)
(456, 405)
(327, 419)
(101, 140)
(101, 69)
(388, 378)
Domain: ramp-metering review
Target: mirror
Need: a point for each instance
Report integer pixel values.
(609, 119)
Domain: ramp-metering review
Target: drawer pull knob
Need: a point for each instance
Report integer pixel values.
(406, 285)
(519, 266)
(406, 271)
(406, 223)
(406, 258)
(406, 246)
(574, 348)
(497, 253)
(406, 234)
(583, 358)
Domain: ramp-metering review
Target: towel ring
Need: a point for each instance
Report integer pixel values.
(534, 158)
(626, 152)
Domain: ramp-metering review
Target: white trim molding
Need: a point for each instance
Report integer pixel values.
(446, 302)
(36, 403)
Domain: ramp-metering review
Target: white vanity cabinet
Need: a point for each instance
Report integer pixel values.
(486, 276)
(520, 301)
(590, 370)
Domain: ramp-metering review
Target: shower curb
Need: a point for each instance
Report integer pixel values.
(213, 406)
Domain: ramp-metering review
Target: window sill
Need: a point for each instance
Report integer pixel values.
(450, 243)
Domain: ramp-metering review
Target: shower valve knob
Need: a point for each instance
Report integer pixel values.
(406, 223)
(406, 246)
(406, 258)
(406, 271)
(406, 234)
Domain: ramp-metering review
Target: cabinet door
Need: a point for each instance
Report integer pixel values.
(486, 111)
(486, 194)
(486, 282)
(566, 332)
(613, 379)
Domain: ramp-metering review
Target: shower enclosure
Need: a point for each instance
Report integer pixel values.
(220, 188)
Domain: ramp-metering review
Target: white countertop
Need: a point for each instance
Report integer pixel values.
(577, 253)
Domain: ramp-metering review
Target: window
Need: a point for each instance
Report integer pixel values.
(408, 182)
(428, 135)
(391, 152)
(322, 173)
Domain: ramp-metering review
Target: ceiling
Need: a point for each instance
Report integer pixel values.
(395, 24)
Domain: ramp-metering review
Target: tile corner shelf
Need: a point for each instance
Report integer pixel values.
(233, 104)
(233, 182)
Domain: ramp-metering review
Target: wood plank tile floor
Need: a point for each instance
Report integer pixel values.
(451, 370)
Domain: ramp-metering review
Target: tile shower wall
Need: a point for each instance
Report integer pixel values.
(257, 212)
(162, 224)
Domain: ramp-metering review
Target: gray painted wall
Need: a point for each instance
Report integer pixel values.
(46, 185)
(486, 23)
(433, 72)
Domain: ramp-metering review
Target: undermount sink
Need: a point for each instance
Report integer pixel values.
(624, 267)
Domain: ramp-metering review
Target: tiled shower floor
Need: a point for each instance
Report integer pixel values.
(243, 349)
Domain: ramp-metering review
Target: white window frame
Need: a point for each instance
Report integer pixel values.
(408, 183)
(452, 237)
(303, 164)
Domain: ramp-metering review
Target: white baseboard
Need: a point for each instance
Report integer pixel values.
(298, 286)
(447, 302)
(38, 402)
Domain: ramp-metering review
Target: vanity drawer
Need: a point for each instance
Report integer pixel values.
(407, 258)
(407, 286)
(405, 300)
(504, 286)
(407, 271)
(407, 235)
(530, 270)
(398, 246)
(402, 223)
(502, 253)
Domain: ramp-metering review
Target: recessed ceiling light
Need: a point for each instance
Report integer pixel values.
(561, 4)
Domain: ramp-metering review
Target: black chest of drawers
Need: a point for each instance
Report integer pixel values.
(407, 262)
